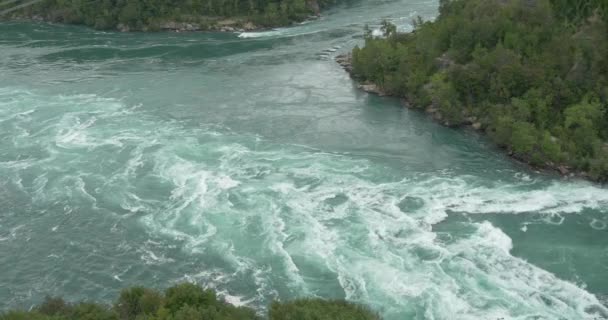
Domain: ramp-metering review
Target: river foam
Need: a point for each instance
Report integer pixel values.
(287, 220)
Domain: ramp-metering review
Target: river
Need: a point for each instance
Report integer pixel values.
(250, 163)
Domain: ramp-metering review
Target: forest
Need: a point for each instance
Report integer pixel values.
(149, 15)
(532, 74)
(187, 302)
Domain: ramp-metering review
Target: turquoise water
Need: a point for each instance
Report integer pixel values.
(251, 164)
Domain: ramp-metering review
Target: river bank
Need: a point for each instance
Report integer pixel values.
(214, 25)
(142, 16)
(472, 122)
(251, 166)
(211, 25)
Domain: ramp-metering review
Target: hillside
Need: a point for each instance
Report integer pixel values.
(532, 74)
(154, 15)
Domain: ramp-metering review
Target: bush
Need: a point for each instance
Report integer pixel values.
(186, 302)
(188, 294)
(534, 72)
(317, 309)
(144, 14)
(137, 301)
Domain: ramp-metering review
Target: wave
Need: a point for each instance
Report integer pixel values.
(260, 34)
(276, 220)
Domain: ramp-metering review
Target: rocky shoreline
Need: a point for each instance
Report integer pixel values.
(227, 25)
(345, 61)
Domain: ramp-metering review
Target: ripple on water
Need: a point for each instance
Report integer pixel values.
(271, 220)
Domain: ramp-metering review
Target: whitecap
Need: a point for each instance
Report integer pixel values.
(261, 34)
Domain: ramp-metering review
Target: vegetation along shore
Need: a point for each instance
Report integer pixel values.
(531, 74)
(187, 302)
(159, 15)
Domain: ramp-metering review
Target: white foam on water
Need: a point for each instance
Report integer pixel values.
(377, 32)
(234, 300)
(381, 253)
(135, 162)
(74, 133)
(149, 257)
(261, 34)
(292, 221)
(395, 257)
(598, 224)
(526, 290)
(277, 235)
(442, 196)
(300, 30)
(225, 182)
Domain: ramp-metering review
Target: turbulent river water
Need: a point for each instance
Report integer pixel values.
(251, 164)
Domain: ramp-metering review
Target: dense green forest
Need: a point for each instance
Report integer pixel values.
(187, 302)
(151, 14)
(533, 74)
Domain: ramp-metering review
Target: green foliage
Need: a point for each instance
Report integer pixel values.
(316, 309)
(136, 301)
(148, 14)
(57, 309)
(53, 306)
(581, 122)
(22, 315)
(523, 137)
(187, 302)
(535, 72)
(388, 29)
(187, 294)
(578, 10)
(90, 311)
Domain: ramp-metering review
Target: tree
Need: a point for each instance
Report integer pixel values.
(388, 29)
(534, 73)
(188, 302)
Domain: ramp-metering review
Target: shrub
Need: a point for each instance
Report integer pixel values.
(317, 309)
(186, 302)
(534, 72)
